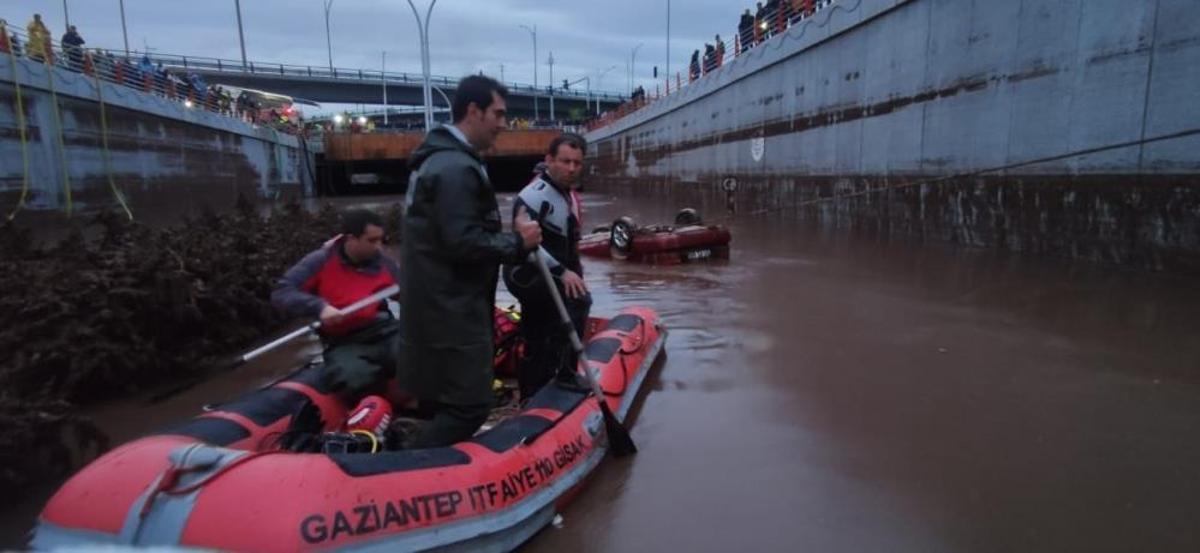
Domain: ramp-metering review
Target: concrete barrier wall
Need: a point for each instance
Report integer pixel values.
(870, 93)
(932, 87)
(160, 153)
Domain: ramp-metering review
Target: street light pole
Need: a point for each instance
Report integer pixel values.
(668, 43)
(588, 80)
(551, 62)
(423, 35)
(533, 33)
(383, 78)
(598, 78)
(328, 39)
(633, 65)
(628, 78)
(66, 14)
(241, 37)
(124, 30)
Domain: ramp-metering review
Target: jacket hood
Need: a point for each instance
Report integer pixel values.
(438, 140)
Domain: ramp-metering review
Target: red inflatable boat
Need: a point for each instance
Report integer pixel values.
(220, 481)
(688, 240)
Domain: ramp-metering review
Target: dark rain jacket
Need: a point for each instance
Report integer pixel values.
(453, 246)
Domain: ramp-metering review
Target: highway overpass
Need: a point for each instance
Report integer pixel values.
(361, 86)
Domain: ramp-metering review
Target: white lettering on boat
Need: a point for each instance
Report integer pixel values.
(427, 509)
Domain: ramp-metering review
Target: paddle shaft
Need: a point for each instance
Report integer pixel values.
(315, 325)
(576, 343)
(618, 437)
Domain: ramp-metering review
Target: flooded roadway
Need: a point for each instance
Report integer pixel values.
(825, 391)
(831, 392)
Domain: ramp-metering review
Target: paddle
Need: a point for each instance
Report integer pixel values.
(258, 352)
(618, 437)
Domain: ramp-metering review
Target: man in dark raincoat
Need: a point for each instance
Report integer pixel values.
(454, 243)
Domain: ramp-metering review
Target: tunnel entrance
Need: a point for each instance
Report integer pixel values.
(390, 176)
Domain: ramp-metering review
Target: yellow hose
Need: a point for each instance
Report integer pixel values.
(62, 148)
(104, 139)
(371, 435)
(12, 65)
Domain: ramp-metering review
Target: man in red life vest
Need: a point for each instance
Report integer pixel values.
(362, 347)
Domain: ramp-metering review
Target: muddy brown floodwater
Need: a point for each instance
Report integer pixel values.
(830, 391)
(825, 391)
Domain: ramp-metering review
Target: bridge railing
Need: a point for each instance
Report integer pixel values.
(750, 33)
(269, 69)
(146, 78)
(340, 73)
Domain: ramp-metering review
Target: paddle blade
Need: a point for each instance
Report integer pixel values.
(618, 437)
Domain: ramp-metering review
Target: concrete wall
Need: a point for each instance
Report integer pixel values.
(871, 92)
(161, 154)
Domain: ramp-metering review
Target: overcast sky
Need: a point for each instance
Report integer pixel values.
(586, 37)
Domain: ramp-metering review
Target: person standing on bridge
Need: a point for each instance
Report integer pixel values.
(550, 196)
(746, 30)
(8, 43)
(38, 36)
(4, 44)
(760, 23)
(73, 48)
(454, 243)
(361, 348)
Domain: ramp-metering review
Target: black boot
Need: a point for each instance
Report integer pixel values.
(568, 376)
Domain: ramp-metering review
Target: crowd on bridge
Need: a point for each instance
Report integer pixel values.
(144, 74)
(755, 26)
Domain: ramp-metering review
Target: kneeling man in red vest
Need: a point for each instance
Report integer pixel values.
(362, 347)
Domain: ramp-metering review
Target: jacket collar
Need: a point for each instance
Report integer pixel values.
(545, 176)
(461, 136)
(339, 248)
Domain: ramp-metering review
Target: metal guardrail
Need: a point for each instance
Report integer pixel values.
(148, 79)
(361, 75)
(372, 76)
(221, 65)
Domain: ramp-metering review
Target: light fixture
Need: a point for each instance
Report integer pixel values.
(362, 120)
(337, 119)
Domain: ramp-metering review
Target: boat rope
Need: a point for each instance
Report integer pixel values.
(966, 174)
(62, 149)
(170, 476)
(21, 129)
(112, 185)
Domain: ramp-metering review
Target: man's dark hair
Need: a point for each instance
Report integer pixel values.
(570, 139)
(475, 89)
(356, 221)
